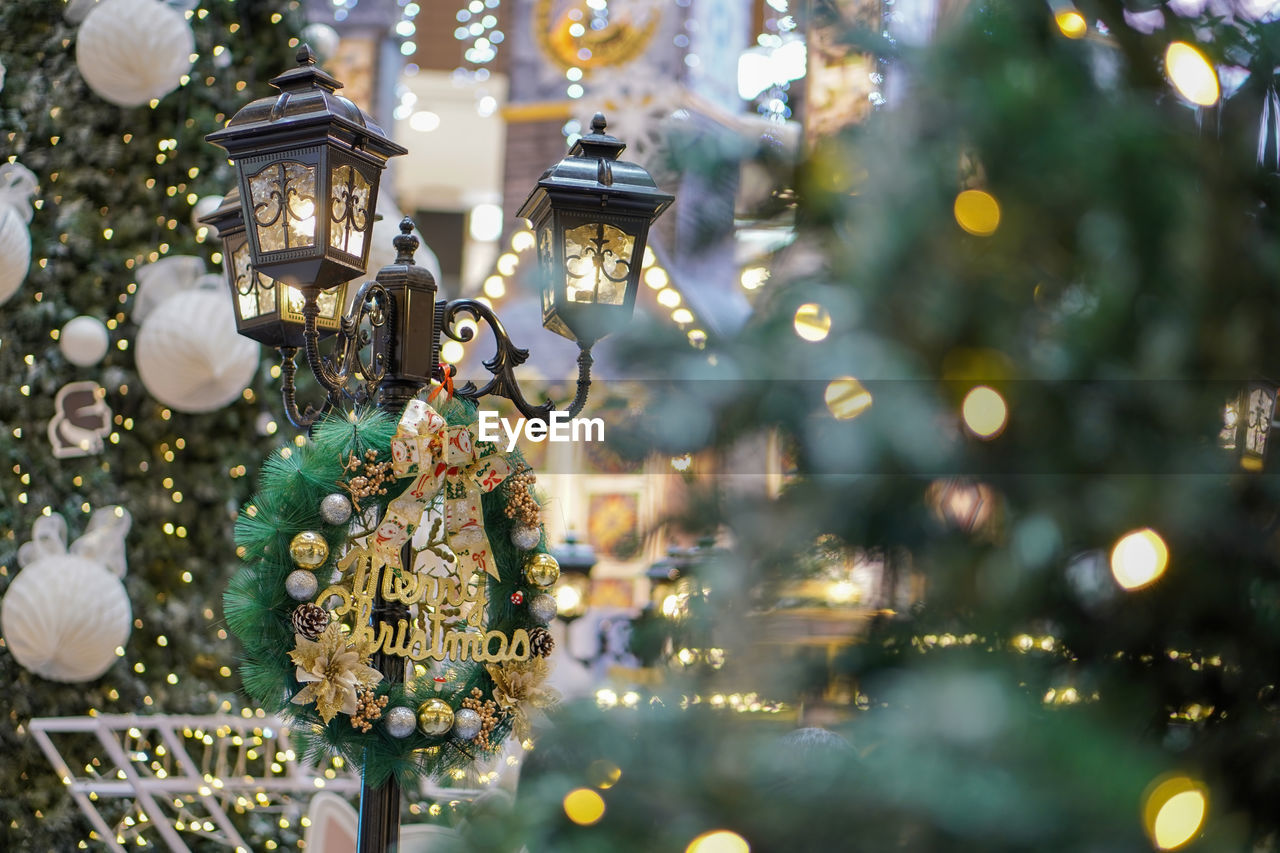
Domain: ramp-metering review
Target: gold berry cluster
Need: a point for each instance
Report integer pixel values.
(369, 707)
(521, 504)
(371, 476)
(488, 711)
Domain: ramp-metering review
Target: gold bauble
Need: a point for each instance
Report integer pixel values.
(308, 550)
(541, 569)
(435, 717)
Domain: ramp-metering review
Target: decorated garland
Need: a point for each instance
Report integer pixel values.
(447, 529)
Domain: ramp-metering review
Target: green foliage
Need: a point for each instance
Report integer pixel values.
(1127, 293)
(101, 167)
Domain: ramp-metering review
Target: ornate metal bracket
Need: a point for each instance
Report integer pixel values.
(506, 359)
(373, 307)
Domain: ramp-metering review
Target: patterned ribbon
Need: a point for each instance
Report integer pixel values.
(445, 458)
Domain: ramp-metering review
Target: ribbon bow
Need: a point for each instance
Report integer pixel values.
(440, 457)
(102, 542)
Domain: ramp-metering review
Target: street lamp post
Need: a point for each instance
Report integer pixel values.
(309, 163)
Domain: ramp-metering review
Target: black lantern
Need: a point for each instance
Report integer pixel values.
(268, 311)
(572, 591)
(591, 214)
(1247, 424)
(309, 162)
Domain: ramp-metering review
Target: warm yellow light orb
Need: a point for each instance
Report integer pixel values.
(584, 806)
(812, 322)
(1191, 74)
(452, 352)
(495, 287)
(1174, 811)
(977, 212)
(846, 398)
(1139, 558)
(656, 278)
(521, 240)
(719, 841)
(985, 412)
(1072, 23)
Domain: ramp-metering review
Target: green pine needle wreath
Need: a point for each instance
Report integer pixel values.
(258, 610)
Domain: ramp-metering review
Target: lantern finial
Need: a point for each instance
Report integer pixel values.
(406, 244)
(598, 123)
(305, 55)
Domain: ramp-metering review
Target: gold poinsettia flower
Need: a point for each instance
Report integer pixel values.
(518, 689)
(334, 671)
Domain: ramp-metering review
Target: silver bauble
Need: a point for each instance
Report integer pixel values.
(466, 724)
(301, 585)
(543, 608)
(525, 537)
(335, 508)
(401, 721)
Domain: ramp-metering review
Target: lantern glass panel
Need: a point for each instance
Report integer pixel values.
(597, 263)
(572, 594)
(349, 210)
(255, 293)
(328, 301)
(282, 198)
(1260, 411)
(546, 261)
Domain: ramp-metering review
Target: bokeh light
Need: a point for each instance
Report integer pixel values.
(846, 398)
(1191, 74)
(977, 212)
(985, 412)
(604, 774)
(719, 841)
(452, 352)
(1139, 558)
(1072, 23)
(812, 322)
(1174, 811)
(584, 806)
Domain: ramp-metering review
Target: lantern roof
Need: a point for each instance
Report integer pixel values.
(228, 215)
(593, 174)
(306, 111)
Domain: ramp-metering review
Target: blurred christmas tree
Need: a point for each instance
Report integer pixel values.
(117, 188)
(999, 350)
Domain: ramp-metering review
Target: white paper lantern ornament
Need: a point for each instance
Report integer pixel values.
(17, 185)
(133, 51)
(189, 355)
(67, 612)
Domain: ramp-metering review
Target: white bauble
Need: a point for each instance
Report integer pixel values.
(203, 207)
(83, 340)
(15, 251)
(322, 38)
(190, 356)
(63, 617)
(131, 51)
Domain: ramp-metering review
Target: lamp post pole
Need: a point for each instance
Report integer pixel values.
(298, 231)
(408, 355)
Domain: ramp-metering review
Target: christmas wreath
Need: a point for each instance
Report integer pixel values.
(418, 513)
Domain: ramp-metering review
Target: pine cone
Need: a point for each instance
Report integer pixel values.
(541, 643)
(310, 620)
